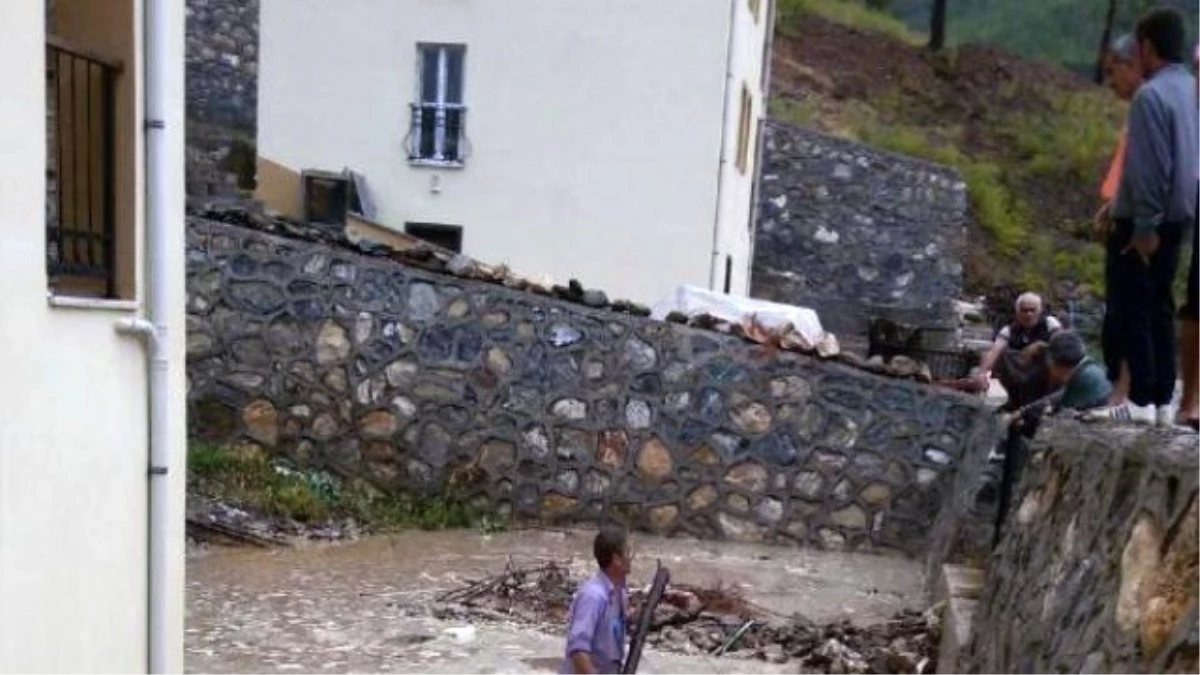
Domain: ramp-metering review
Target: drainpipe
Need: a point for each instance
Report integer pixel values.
(156, 29)
(714, 262)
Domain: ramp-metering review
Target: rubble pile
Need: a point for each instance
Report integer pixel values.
(718, 621)
(213, 521)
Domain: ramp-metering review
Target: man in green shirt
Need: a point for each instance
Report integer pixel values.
(1082, 384)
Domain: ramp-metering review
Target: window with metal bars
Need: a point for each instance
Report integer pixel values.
(437, 132)
(80, 190)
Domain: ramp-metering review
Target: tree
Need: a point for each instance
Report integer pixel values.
(937, 26)
(1105, 38)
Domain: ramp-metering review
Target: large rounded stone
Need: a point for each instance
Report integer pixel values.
(752, 417)
(736, 502)
(556, 504)
(662, 517)
(654, 460)
(749, 476)
(702, 497)
(706, 456)
(791, 387)
(637, 414)
(333, 346)
(876, 494)
(611, 451)
(401, 372)
(769, 510)
(809, 484)
(569, 409)
(739, 529)
(596, 483)
(262, 422)
(378, 425)
(496, 455)
(1139, 566)
(325, 427)
(498, 362)
(851, 517)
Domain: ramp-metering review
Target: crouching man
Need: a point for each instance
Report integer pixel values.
(596, 628)
(1083, 385)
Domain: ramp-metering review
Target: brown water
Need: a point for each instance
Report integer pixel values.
(350, 608)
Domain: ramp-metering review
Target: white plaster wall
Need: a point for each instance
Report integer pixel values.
(746, 67)
(73, 421)
(596, 125)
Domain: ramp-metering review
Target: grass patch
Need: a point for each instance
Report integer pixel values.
(253, 482)
(854, 13)
(1073, 138)
(997, 210)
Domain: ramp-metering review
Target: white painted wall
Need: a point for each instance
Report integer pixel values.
(73, 421)
(746, 68)
(595, 124)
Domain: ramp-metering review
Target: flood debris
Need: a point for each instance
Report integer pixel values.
(716, 620)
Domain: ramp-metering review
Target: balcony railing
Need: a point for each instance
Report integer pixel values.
(438, 133)
(80, 192)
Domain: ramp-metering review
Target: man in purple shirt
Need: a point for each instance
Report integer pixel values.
(596, 632)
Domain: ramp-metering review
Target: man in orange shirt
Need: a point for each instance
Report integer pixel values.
(1123, 73)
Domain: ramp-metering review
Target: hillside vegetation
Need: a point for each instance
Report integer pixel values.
(1066, 32)
(1031, 139)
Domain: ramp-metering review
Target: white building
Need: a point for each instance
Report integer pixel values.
(92, 416)
(612, 141)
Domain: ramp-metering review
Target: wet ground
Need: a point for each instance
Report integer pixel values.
(360, 607)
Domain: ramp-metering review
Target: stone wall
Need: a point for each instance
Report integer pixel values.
(853, 232)
(222, 62)
(540, 408)
(222, 94)
(1097, 569)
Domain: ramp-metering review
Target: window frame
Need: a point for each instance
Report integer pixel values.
(440, 105)
(416, 228)
(745, 120)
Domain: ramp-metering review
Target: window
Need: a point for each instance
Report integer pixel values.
(447, 236)
(437, 134)
(743, 141)
(325, 196)
(81, 197)
(728, 273)
(755, 8)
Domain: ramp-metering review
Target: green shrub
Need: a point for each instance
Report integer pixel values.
(1074, 138)
(854, 13)
(255, 483)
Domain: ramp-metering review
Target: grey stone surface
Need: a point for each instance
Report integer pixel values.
(555, 410)
(854, 233)
(222, 62)
(221, 84)
(1097, 569)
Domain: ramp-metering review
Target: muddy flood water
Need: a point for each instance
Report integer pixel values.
(358, 607)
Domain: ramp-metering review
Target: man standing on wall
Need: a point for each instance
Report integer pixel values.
(1156, 200)
(1189, 319)
(1124, 75)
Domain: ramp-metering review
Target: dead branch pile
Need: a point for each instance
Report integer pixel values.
(716, 620)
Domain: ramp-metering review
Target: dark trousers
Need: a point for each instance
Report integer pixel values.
(1139, 319)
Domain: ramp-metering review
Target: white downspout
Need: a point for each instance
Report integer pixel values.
(714, 262)
(156, 32)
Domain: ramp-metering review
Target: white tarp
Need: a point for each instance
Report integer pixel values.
(773, 316)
